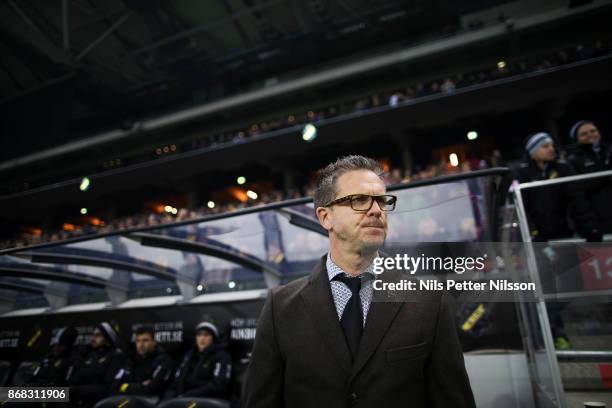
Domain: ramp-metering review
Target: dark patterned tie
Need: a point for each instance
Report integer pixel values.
(352, 317)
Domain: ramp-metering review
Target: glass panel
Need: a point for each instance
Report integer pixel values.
(572, 326)
(284, 241)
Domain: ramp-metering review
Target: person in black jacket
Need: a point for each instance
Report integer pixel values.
(149, 371)
(91, 380)
(547, 207)
(205, 370)
(54, 369)
(591, 154)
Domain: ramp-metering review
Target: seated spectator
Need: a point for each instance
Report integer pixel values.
(591, 154)
(150, 369)
(547, 207)
(54, 369)
(205, 370)
(92, 380)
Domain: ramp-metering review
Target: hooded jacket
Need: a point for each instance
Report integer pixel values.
(584, 158)
(54, 369)
(156, 367)
(93, 378)
(547, 207)
(203, 374)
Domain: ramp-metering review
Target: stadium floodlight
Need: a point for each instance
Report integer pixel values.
(85, 183)
(472, 135)
(211, 204)
(454, 160)
(241, 180)
(251, 194)
(309, 133)
(84, 211)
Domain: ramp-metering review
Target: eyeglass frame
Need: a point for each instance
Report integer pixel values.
(373, 197)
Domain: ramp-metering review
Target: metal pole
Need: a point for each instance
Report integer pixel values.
(566, 179)
(532, 268)
(105, 34)
(66, 25)
(24, 16)
(207, 27)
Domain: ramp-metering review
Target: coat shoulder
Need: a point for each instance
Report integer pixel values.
(521, 172)
(285, 294)
(164, 358)
(221, 355)
(564, 168)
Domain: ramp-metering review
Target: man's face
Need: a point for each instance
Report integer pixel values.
(98, 340)
(545, 153)
(144, 343)
(361, 230)
(588, 134)
(204, 339)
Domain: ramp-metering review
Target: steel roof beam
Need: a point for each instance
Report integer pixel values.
(271, 274)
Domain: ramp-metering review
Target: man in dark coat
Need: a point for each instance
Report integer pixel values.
(54, 369)
(592, 154)
(323, 342)
(547, 207)
(205, 371)
(91, 380)
(150, 370)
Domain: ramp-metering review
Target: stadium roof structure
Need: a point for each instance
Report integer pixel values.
(137, 48)
(117, 62)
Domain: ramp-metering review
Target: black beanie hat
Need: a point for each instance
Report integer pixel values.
(109, 333)
(65, 336)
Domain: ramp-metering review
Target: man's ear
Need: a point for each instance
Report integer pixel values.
(324, 216)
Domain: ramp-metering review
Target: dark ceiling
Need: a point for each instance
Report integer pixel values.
(84, 65)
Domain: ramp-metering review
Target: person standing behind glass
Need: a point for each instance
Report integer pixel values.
(547, 206)
(592, 154)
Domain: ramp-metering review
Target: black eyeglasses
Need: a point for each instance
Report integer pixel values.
(363, 202)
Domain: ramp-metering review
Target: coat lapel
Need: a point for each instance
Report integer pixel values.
(380, 317)
(318, 299)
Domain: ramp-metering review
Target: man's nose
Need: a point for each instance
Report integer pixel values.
(375, 209)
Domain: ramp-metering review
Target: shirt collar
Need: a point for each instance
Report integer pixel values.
(334, 270)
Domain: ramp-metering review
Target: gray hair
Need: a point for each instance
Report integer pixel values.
(327, 176)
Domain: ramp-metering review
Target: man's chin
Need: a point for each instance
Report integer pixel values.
(372, 245)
